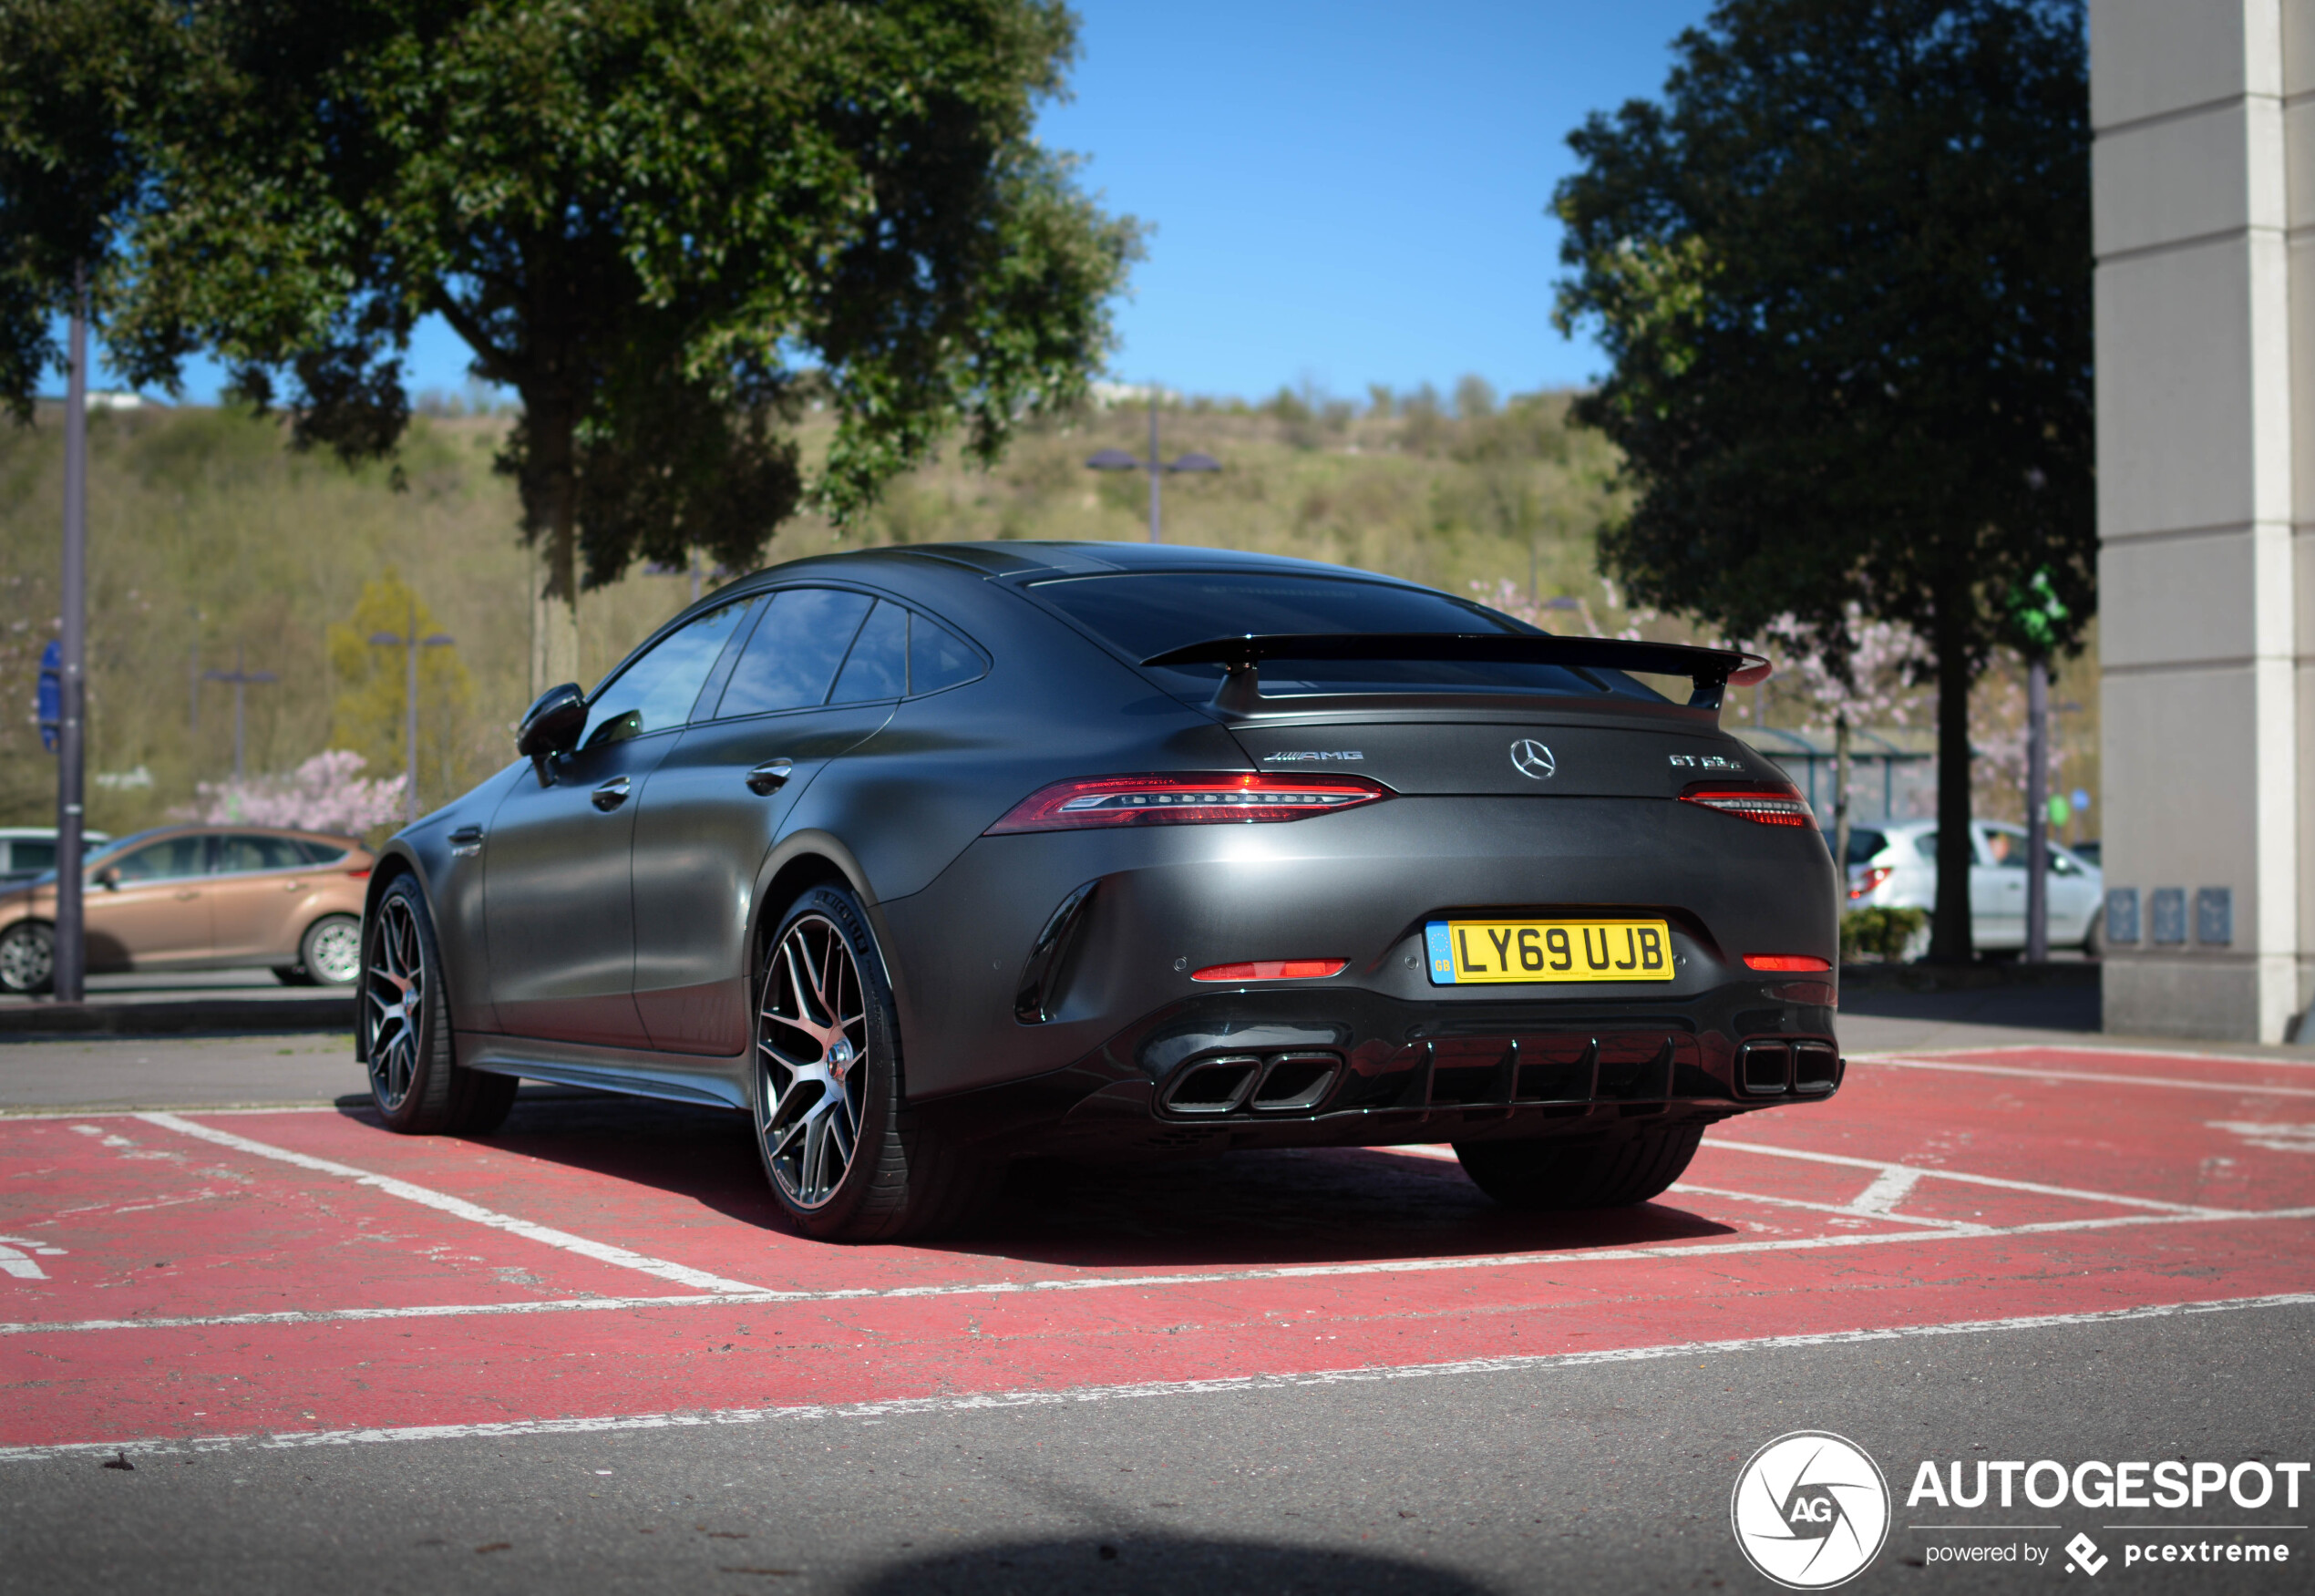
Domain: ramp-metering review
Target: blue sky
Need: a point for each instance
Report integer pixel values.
(1343, 194)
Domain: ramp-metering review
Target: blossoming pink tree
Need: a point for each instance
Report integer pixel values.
(326, 793)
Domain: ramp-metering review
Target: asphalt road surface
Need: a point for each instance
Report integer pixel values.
(583, 1355)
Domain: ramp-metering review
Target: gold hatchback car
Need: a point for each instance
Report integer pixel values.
(201, 898)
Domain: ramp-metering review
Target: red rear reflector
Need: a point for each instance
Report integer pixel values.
(357, 875)
(1782, 962)
(1185, 800)
(1870, 879)
(1273, 970)
(1765, 805)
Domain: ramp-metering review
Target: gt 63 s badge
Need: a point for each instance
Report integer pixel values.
(1810, 1510)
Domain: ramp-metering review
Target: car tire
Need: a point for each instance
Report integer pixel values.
(330, 953)
(848, 1157)
(27, 958)
(1562, 1175)
(2093, 940)
(404, 1014)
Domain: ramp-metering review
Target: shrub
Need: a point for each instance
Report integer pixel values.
(1879, 934)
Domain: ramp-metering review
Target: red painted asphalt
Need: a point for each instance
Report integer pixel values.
(140, 1256)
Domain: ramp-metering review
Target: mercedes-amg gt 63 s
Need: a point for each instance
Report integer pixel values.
(932, 857)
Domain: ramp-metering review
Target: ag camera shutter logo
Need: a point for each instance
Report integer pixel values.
(1810, 1510)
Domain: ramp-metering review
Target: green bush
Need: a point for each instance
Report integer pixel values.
(1879, 934)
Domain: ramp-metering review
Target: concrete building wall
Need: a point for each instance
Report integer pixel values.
(2204, 196)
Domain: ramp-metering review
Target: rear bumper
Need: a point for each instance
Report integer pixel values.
(1352, 1068)
(1164, 903)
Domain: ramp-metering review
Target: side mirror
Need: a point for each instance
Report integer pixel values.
(110, 880)
(551, 726)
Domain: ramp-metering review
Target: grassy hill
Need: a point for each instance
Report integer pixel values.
(209, 541)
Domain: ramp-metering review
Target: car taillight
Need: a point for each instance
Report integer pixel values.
(359, 874)
(1185, 800)
(1762, 805)
(1872, 878)
(1785, 962)
(1273, 970)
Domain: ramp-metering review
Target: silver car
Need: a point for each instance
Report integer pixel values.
(1894, 866)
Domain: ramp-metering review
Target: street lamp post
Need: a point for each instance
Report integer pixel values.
(241, 678)
(70, 957)
(410, 643)
(1118, 459)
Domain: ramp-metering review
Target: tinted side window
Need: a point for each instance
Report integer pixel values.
(26, 855)
(1863, 844)
(658, 690)
(938, 657)
(790, 662)
(1928, 846)
(878, 666)
(256, 853)
(320, 852)
(166, 862)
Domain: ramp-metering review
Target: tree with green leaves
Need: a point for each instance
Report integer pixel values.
(1842, 272)
(665, 225)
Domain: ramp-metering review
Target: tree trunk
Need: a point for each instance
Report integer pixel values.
(551, 506)
(1840, 812)
(1950, 941)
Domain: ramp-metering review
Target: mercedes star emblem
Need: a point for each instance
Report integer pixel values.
(1532, 759)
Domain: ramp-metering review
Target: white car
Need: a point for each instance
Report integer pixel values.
(1894, 866)
(26, 850)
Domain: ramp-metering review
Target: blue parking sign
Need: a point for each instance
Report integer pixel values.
(50, 699)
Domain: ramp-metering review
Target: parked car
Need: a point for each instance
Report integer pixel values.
(1894, 866)
(26, 850)
(201, 897)
(932, 857)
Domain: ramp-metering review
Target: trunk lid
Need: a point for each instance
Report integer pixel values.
(1509, 754)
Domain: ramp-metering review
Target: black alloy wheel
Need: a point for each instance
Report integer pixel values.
(415, 1079)
(847, 1157)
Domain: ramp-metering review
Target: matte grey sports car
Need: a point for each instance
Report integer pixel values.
(930, 858)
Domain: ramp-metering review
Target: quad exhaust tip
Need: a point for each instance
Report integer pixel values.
(1769, 1069)
(1276, 1083)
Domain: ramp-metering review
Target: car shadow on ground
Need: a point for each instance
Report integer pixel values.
(1128, 1562)
(1246, 1209)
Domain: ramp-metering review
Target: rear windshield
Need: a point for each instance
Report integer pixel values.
(1147, 613)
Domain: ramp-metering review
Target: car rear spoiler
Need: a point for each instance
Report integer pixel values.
(1711, 671)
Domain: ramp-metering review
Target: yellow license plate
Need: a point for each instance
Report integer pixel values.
(1533, 951)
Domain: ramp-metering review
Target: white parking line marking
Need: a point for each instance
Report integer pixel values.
(459, 1207)
(754, 1295)
(2240, 1089)
(909, 1406)
(1890, 1187)
(1855, 1210)
(2009, 1047)
(1920, 1171)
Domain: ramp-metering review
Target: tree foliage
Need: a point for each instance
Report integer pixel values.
(1842, 271)
(660, 222)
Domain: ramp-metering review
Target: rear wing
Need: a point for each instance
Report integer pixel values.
(1710, 671)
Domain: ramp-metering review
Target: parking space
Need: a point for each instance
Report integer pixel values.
(181, 1279)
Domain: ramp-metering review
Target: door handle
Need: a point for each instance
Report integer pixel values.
(466, 842)
(292, 886)
(769, 777)
(186, 894)
(611, 794)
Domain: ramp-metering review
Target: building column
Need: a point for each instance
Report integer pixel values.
(2206, 480)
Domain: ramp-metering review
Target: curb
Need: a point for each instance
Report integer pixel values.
(25, 1022)
(1979, 977)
